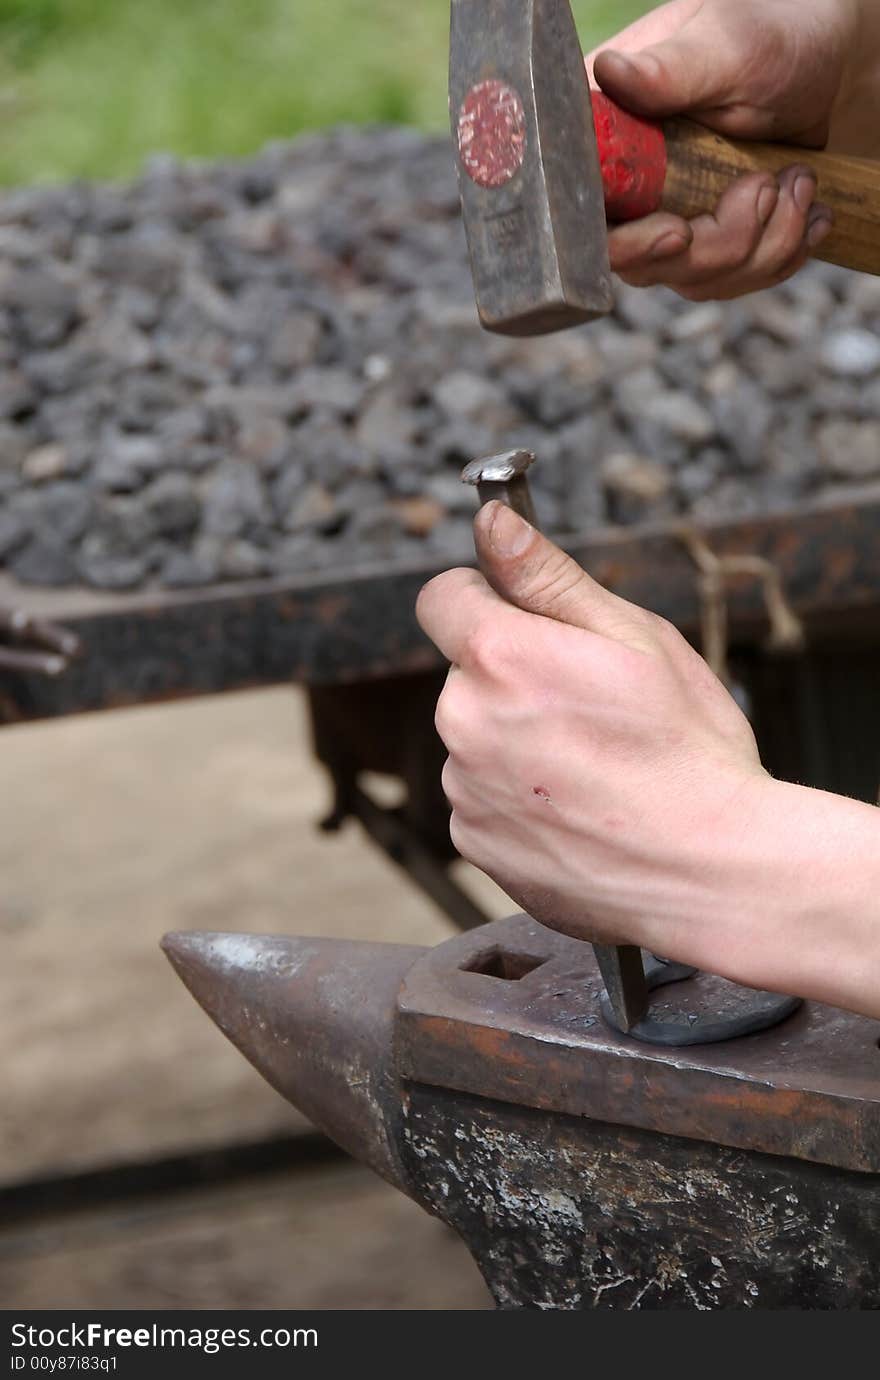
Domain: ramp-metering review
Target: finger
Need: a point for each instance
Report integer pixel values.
(784, 235)
(653, 239)
(722, 241)
(820, 223)
(654, 27)
(452, 784)
(532, 573)
(663, 80)
(669, 62)
(453, 608)
(795, 227)
(455, 714)
(675, 61)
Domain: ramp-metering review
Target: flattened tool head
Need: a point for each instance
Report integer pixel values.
(498, 469)
(528, 166)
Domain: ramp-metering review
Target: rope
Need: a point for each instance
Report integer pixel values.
(714, 574)
(786, 629)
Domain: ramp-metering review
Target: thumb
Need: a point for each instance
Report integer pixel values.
(681, 73)
(532, 573)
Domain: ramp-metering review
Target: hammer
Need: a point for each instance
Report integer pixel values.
(542, 162)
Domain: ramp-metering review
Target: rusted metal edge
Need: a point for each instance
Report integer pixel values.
(360, 623)
(808, 1089)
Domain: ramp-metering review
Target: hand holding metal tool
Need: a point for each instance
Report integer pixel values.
(628, 980)
(503, 477)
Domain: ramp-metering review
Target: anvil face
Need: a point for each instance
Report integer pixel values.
(512, 1011)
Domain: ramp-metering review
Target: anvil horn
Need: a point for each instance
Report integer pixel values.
(315, 1018)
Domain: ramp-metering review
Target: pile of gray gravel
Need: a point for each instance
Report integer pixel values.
(273, 366)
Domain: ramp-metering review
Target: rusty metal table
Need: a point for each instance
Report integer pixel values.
(355, 625)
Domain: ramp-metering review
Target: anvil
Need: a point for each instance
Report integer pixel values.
(582, 1169)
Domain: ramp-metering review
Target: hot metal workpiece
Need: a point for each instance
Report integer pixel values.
(582, 1169)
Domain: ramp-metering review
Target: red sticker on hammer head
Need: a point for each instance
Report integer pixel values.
(492, 133)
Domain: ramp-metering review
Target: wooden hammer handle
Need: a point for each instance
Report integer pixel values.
(683, 167)
(700, 165)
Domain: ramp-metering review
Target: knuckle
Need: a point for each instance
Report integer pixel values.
(706, 281)
(667, 633)
(635, 617)
(654, 620)
(723, 244)
(427, 597)
(703, 292)
(733, 252)
(450, 717)
(623, 251)
(449, 782)
(656, 623)
(631, 244)
(779, 278)
(735, 247)
(642, 275)
(778, 252)
(788, 270)
(460, 836)
(433, 586)
(476, 651)
(780, 263)
(440, 590)
(556, 581)
(486, 647)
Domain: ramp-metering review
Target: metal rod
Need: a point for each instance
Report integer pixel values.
(503, 477)
(399, 841)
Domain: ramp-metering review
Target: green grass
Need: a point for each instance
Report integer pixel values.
(89, 87)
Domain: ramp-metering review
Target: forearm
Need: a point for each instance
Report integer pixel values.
(798, 908)
(855, 120)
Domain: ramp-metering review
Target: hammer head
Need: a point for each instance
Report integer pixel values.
(528, 166)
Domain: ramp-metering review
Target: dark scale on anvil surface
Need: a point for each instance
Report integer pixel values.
(274, 366)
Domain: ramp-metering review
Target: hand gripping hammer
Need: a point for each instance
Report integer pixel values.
(541, 164)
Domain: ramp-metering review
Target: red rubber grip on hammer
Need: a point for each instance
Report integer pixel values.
(632, 157)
